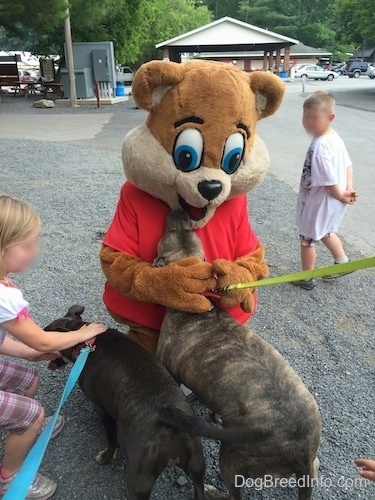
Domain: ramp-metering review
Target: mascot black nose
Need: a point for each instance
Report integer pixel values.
(210, 189)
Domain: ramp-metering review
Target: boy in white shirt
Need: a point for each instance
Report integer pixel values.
(326, 185)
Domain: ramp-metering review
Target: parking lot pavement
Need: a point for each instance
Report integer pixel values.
(327, 334)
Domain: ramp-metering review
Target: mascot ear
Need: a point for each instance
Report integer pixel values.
(269, 91)
(153, 80)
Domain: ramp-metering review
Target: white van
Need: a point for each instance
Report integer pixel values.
(124, 74)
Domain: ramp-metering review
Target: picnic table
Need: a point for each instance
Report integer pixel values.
(52, 86)
(26, 86)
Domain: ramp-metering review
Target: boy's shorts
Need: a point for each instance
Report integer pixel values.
(310, 242)
(17, 412)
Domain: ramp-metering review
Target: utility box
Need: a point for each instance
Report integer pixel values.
(84, 83)
(100, 64)
(98, 58)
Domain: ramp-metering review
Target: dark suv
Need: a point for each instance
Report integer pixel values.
(355, 69)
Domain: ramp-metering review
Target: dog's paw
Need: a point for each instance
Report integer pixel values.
(212, 493)
(104, 457)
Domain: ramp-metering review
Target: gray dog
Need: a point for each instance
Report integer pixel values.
(244, 379)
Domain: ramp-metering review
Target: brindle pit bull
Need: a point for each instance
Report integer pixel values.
(142, 409)
(243, 378)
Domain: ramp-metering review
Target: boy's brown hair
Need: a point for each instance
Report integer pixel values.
(322, 100)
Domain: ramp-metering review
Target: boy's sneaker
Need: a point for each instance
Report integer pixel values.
(58, 427)
(334, 276)
(305, 284)
(41, 488)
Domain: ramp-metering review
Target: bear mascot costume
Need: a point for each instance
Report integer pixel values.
(198, 150)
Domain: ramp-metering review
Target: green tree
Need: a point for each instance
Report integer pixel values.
(309, 22)
(166, 19)
(222, 8)
(135, 26)
(355, 20)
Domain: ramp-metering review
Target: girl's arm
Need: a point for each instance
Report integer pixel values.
(15, 349)
(33, 336)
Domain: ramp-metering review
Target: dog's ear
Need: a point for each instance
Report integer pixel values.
(75, 311)
(269, 91)
(153, 80)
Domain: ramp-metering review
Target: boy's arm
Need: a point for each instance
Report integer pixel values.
(349, 178)
(349, 195)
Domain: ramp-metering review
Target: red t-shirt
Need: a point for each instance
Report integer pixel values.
(138, 225)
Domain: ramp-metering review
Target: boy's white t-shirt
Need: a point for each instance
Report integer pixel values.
(318, 211)
(12, 306)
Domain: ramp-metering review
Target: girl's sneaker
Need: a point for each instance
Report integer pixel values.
(58, 427)
(41, 488)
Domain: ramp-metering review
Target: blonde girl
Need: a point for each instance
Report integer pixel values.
(20, 414)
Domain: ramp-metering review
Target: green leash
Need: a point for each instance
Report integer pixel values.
(321, 272)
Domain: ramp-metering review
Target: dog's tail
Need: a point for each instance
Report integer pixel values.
(171, 416)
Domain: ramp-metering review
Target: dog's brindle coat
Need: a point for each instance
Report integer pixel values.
(143, 410)
(243, 378)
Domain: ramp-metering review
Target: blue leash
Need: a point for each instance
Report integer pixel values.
(21, 483)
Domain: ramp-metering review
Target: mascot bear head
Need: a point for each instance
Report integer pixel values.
(198, 146)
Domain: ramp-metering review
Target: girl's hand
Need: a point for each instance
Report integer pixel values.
(42, 356)
(367, 468)
(92, 330)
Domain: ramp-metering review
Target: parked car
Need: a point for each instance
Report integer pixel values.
(315, 72)
(27, 75)
(355, 69)
(371, 71)
(124, 74)
(339, 69)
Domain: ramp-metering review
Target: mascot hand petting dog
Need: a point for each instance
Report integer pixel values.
(198, 151)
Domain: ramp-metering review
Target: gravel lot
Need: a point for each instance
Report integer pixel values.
(326, 334)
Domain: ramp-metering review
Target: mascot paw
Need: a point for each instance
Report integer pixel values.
(230, 273)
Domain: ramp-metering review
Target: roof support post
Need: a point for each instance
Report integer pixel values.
(286, 59)
(270, 61)
(265, 61)
(278, 59)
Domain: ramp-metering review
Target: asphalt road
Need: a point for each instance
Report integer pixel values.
(327, 334)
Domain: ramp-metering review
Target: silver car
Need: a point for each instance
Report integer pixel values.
(315, 72)
(371, 71)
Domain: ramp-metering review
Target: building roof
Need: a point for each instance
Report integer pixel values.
(295, 50)
(227, 32)
(362, 52)
(304, 50)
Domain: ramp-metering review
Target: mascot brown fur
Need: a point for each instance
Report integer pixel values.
(198, 151)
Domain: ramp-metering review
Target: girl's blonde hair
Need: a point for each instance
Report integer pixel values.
(18, 222)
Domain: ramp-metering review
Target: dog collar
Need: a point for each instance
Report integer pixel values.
(90, 343)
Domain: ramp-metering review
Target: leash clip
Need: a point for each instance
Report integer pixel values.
(220, 290)
(90, 345)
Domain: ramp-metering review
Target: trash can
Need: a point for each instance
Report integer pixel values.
(120, 90)
(283, 74)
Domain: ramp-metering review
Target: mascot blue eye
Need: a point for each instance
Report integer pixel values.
(233, 152)
(188, 149)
